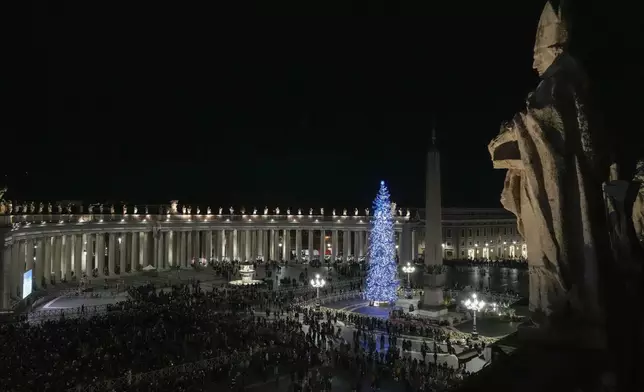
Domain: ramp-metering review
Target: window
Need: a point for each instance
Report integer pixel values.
(462, 243)
(463, 253)
(470, 243)
(462, 232)
(469, 232)
(505, 231)
(484, 232)
(449, 243)
(511, 231)
(478, 232)
(449, 233)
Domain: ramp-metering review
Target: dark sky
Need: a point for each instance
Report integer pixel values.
(205, 106)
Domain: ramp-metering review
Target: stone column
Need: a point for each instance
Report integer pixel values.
(414, 245)
(346, 245)
(273, 245)
(135, 253)
(234, 238)
(286, 246)
(6, 277)
(77, 262)
(181, 249)
(58, 258)
(39, 266)
(123, 253)
(145, 248)
(100, 254)
(265, 245)
(253, 245)
(29, 256)
(46, 270)
(18, 260)
(159, 260)
(310, 245)
(208, 245)
(111, 254)
(196, 245)
(168, 249)
(88, 254)
(298, 244)
(67, 256)
(322, 245)
(230, 242)
(247, 246)
(356, 245)
(220, 245)
(334, 244)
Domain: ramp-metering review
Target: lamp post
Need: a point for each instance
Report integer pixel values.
(474, 305)
(408, 269)
(318, 283)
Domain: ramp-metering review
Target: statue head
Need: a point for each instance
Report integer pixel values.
(552, 37)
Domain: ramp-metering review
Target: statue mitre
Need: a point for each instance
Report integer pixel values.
(552, 29)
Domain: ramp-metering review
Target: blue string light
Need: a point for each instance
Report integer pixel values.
(382, 283)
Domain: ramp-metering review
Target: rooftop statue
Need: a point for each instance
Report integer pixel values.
(555, 160)
(136, 210)
(174, 206)
(209, 211)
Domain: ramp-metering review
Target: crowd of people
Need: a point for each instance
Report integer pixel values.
(243, 335)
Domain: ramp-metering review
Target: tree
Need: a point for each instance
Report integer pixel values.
(382, 283)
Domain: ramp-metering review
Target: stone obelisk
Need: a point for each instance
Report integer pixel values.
(432, 302)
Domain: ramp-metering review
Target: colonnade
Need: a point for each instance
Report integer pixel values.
(57, 257)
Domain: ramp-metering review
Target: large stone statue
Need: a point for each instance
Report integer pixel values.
(173, 206)
(556, 165)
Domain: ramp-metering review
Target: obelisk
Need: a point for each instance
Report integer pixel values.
(432, 302)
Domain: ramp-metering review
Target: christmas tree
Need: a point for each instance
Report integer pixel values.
(381, 278)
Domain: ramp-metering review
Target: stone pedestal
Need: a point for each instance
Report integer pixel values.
(432, 304)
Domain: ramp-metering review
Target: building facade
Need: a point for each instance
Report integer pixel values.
(54, 247)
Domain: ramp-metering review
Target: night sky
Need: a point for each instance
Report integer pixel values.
(152, 104)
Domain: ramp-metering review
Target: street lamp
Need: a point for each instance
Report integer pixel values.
(318, 283)
(408, 269)
(474, 305)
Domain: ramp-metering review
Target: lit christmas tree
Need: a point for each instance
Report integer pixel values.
(382, 282)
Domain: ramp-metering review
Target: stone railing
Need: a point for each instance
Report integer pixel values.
(59, 218)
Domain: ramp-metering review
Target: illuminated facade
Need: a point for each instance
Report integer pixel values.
(59, 246)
